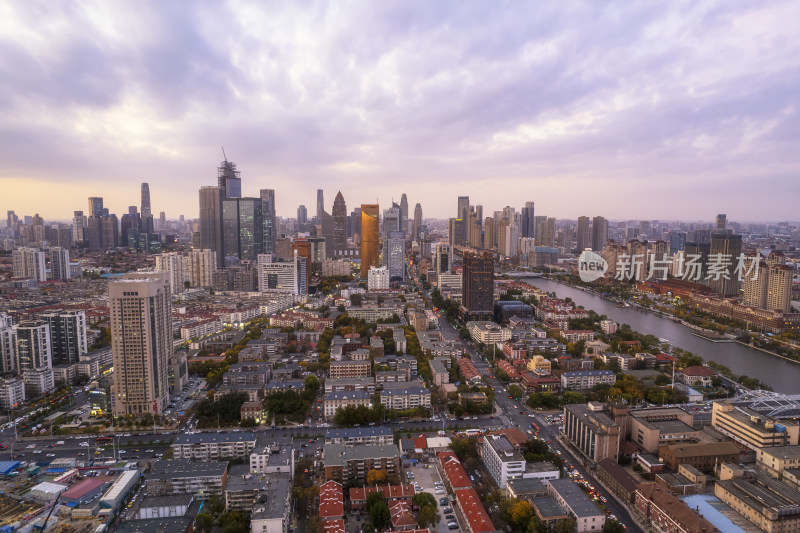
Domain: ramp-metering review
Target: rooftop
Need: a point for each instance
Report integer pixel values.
(525, 486)
(783, 452)
(702, 449)
(474, 511)
(548, 507)
(156, 525)
(216, 438)
(337, 454)
(577, 500)
(350, 433)
(272, 504)
(179, 468)
(759, 490)
(503, 448)
(347, 395)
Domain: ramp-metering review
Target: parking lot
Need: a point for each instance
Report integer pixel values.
(427, 478)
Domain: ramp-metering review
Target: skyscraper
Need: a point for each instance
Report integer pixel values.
(391, 220)
(8, 346)
(339, 225)
(477, 286)
(457, 232)
(600, 233)
(301, 249)
(527, 223)
(404, 214)
(395, 255)
(488, 234)
(242, 228)
(463, 208)
(67, 335)
(78, 227)
(582, 235)
(211, 221)
(443, 260)
(355, 223)
(722, 222)
(370, 238)
(95, 206)
(779, 288)
(302, 215)
(320, 205)
(141, 342)
(268, 214)
(147, 215)
(326, 225)
(229, 180)
(724, 252)
(417, 221)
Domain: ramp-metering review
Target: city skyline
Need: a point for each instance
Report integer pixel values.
(585, 110)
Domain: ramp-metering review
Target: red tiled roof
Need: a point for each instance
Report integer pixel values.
(454, 472)
(401, 515)
(515, 436)
(698, 371)
(390, 492)
(474, 511)
(331, 500)
(334, 526)
(421, 442)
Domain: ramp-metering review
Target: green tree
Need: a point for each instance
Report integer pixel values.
(612, 526)
(515, 392)
(215, 504)
(428, 516)
(571, 397)
(421, 499)
(378, 510)
(203, 523)
(566, 526)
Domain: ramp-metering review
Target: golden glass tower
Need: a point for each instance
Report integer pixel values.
(370, 240)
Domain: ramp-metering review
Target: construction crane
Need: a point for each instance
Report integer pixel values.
(44, 524)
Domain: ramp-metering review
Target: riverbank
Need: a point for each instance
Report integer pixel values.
(795, 361)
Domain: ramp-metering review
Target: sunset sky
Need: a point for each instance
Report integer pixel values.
(656, 110)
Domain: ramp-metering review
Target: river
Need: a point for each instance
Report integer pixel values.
(781, 375)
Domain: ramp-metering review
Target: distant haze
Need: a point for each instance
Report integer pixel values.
(654, 110)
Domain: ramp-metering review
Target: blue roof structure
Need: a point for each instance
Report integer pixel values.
(6, 467)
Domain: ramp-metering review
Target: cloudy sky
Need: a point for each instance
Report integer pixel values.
(624, 109)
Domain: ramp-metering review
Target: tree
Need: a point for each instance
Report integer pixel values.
(515, 392)
(521, 513)
(566, 526)
(378, 510)
(215, 504)
(428, 516)
(571, 397)
(313, 525)
(612, 526)
(203, 523)
(421, 499)
(376, 476)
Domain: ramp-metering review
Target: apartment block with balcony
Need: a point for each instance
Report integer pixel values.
(343, 463)
(502, 460)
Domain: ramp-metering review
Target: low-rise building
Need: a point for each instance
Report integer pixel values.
(347, 462)
(617, 480)
(350, 384)
(663, 511)
(272, 458)
(475, 517)
(370, 436)
(339, 399)
(696, 376)
(350, 369)
(768, 503)
(272, 511)
(406, 398)
(753, 429)
(180, 476)
(777, 460)
(651, 428)
(540, 365)
(502, 460)
(487, 333)
(594, 429)
(586, 379)
(572, 499)
(525, 488)
(703, 455)
(214, 446)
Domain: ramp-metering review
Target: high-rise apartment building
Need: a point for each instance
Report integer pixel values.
(404, 214)
(172, 264)
(304, 251)
(281, 275)
(600, 233)
(147, 225)
(474, 230)
(477, 286)
(34, 346)
(8, 346)
(268, 214)
(339, 213)
(29, 263)
(489, 232)
(755, 285)
(417, 221)
(59, 263)
(722, 258)
(677, 241)
(779, 288)
(302, 214)
(141, 342)
(582, 235)
(68, 338)
(370, 238)
(378, 279)
(78, 227)
(391, 220)
(211, 221)
(199, 267)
